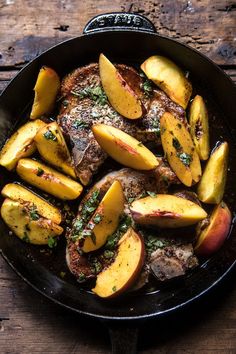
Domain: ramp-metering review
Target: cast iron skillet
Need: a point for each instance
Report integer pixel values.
(124, 38)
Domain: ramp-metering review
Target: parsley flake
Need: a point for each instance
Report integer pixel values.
(49, 135)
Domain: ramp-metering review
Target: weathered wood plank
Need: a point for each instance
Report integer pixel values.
(29, 27)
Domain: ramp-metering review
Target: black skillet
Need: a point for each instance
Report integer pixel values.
(124, 38)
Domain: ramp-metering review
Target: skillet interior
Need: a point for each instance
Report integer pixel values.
(42, 270)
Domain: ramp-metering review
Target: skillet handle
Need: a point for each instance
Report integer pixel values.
(119, 21)
(123, 339)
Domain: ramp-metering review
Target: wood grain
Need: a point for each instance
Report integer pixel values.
(28, 322)
(29, 27)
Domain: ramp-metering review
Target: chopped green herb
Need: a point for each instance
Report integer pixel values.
(34, 213)
(176, 143)
(156, 127)
(108, 254)
(130, 200)
(40, 171)
(113, 239)
(26, 238)
(97, 219)
(52, 242)
(114, 288)
(65, 103)
(62, 274)
(140, 144)
(185, 158)
(81, 277)
(79, 124)
(49, 135)
(94, 93)
(152, 243)
(152, 194)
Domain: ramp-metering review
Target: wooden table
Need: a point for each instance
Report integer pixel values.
(28, 322)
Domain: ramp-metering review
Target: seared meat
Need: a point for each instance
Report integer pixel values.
(172, 261)
(84, 103)
(177, 257)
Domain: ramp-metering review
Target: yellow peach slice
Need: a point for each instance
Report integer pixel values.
(52, 147)
(124, 148)
(199, 127)
(180, 150)
(212, 185)
(213, 236)
(48, 179)
(169, 77)
(46, 89)
(21, 144)
(167, 211)
(123, 272)
(21, 194)
(120, 95)
(36, 231)
(106, 218)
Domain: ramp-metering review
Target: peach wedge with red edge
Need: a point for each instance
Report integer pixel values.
(212, 185)
(106, 218)
(36, 230)
(123, 148)
(21, 194)
(169, 77)
(213, 236)
(21, 144)
(53, 149)
(180, 150)
(199, 127)
(46, 89)
(166, 211)
(122, 273)
(48, 179)
(120, 95)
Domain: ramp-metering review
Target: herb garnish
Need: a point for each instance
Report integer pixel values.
(78, 124)
(125, 223)
(185, 158)
(176, 144)
(114, 288)
(97, 218)
(94, 93)
(33, 212)
(49, 135)
(26, 238)
(52, 242)
(87, 210)
(152, 243)
(40, 171)
(152, 194)
(156, 127)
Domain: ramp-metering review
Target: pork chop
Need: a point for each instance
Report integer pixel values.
(85, 103)
(135, 184)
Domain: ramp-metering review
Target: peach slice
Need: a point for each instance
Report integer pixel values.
(213, 236)
(123, 272)
(46, 89)
(52, 147)
(167, 211)
(199, 127)
(180, 150)
(212, 185)
(120, 95)
(124, 148)
(21, 144)
(19, 193)
(106, 218)
(169, 77)
(48, 179)
(18, 217)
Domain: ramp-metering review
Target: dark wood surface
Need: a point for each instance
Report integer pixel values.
(28, 322)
